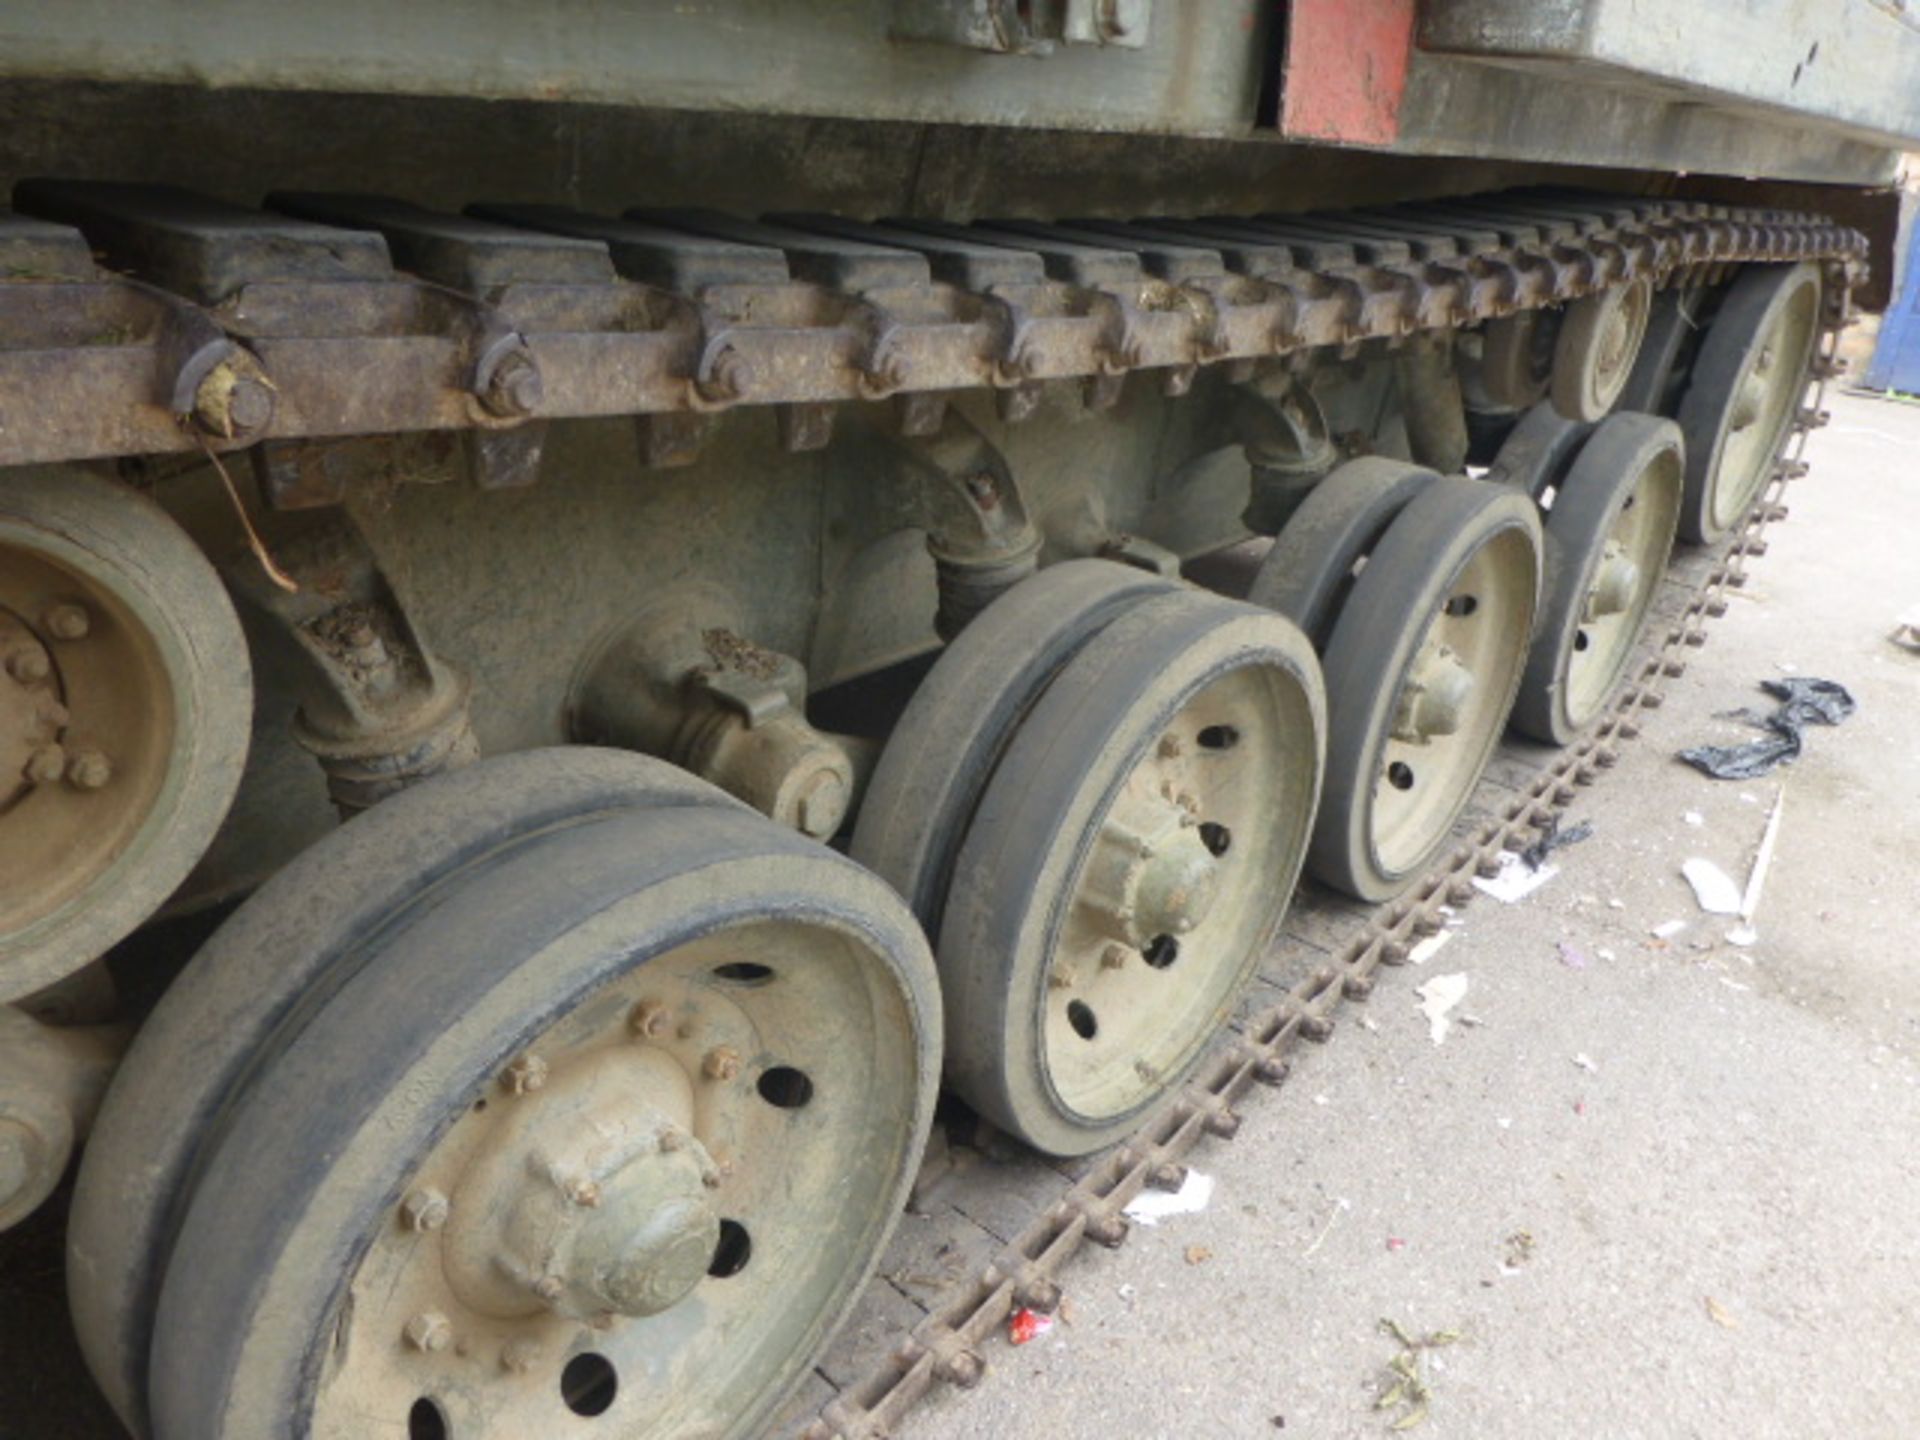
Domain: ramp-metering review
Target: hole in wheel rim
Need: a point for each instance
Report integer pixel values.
(589, 1384)
(1161, 952)
(1461, 606)
(1581, 640)
(1216, 837)
(1400, 775)
(743, 972)
(1219, 737)
(425, 1421)
(1081, 1017)
(730, 1256)
(784, 1087)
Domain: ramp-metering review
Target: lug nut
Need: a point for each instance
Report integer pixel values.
(584, 1193)
(424, 1209)
(650, 1019)
(525, 1075)
(88, 770)
(515, 388)
(722, 1063)
(29, 666)
(429, 1332)
(46, 765)
(67, 622)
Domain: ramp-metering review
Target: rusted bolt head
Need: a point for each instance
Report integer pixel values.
(1357, 987)
(67, 621)
(29, 665)
(1038, 1294)
(515, 387)
(424, 1209)
(1272, 1070)
(1168, 1175)
(584, 1193)
(549, 1288)
(525, 1075)
(722, 1063)
(429, 1332)
(519, 1356)
(651, 1020)
(88, 770)
(232, 402)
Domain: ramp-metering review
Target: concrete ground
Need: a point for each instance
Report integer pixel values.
(1659, 1188)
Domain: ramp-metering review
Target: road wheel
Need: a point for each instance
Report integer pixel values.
(1539, 452)
(1128, 864)
(959, 721)
(603, 1103)
(126, 703)
(1743, 393)
(1311, 567)
(1597, 346)
(1608, 536)
(1516, 357)
(1421, 669)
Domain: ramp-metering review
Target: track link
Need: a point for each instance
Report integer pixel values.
(1332, 950)
(143, 320)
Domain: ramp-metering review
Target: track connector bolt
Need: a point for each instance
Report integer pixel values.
(1394, 952)
(1039, 1294)
(88, 769)
(1168, 1175)
(1272, 1070)
(1461, 891)
(1222, 1124)
(1606, 756)
(1107, 1230)
(721, 1063)
(67, 621)
(650, 1020)
(526, 1074)
(424, 1209)
(46, 765)
(963, 1368)
(1317, 1028)
(1357, 987)
(430, 1332)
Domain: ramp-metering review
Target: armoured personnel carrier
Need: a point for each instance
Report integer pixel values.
(649, 585)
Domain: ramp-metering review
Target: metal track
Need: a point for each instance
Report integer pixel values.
(1340, 945)
(207, 325)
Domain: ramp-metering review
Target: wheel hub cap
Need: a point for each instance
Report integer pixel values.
(1436, 697)
(1153, 873)
(596, 1205)
(1615, 585)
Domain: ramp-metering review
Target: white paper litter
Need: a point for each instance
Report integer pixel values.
(1150, 1207)
(1515, 881)
(1667, 929)
(1429, 947)
(1712, 886)
(1742, 935)
(1586, 1063)
(1437, 997)
(1694, 817)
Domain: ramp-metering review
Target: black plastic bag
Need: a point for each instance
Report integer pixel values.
(1803, 700)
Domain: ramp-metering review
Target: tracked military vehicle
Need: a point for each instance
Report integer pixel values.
(643, 587)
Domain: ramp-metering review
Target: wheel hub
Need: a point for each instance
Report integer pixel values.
(1615, 584)
(1436, 698)
(1153, 873)
(595, 1202)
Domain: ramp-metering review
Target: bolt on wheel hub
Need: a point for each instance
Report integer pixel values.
(1153, 872)
(1617, 584)
(1438, 695)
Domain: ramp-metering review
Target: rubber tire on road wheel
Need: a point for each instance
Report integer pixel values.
(292, 1191)
(1606, 471)
(1379, 631)
(1755, 302)
(960, 719)
(1540, 451)
(1307, 573)
(1037, 821)
(1672, 329)
(122, 541)
(300, 933)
